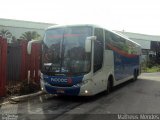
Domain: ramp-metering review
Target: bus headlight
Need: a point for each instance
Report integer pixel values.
(86, 91)
(42, 88)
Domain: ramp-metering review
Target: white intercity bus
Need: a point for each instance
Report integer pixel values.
(83, 60)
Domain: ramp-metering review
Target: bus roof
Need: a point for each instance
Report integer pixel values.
(94, 26)
(71, 25)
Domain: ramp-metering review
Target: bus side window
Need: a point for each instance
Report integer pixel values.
(98, 49)
(108, 40)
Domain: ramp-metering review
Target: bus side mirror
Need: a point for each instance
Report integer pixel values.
(88, 43)
(29, 46)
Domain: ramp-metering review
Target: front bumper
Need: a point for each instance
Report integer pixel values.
(84, 90)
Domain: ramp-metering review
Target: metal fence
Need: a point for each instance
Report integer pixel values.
(17, 67)
(35, 59)
(14, 55)
(3, 65)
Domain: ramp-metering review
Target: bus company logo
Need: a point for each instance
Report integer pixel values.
(69, 81)
(59, 80)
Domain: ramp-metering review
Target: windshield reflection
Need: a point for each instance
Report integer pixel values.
(64, 48)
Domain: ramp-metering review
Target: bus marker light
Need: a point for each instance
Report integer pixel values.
(69, 81)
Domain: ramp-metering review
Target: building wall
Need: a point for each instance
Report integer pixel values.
(17, 31)
(17, 27)
(143, 40)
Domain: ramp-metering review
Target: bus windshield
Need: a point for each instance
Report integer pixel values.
(64, 50)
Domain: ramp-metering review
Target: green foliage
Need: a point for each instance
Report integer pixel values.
(150, 67)
(153, 69)
(14, 39)
(30, 35)
(6, 34)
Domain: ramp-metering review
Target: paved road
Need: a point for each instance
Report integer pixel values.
(141, 96)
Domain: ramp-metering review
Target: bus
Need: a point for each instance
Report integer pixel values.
(84, 60)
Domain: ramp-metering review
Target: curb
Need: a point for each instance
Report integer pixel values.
(22, 97)
(27, 96)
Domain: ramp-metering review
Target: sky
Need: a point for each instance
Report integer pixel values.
(138, 16)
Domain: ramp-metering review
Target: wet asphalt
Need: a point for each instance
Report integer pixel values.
(138, 97)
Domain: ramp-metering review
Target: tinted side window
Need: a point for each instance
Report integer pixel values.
(107, 40)
(132, 48)
(98, 49)
(113, 40)
(117, 41)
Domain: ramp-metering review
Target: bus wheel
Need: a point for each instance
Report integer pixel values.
(135, 75)
(109, 86)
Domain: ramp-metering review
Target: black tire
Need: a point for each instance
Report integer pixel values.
(135, 75)
(109, 87)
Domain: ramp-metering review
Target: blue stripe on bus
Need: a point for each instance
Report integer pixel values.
(124, 66)
(58, 84)
(62, 80)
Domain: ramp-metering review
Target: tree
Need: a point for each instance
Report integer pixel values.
(30, 35)
(5, 34)
(14, 39)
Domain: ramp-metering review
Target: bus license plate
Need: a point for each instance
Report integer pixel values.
(60, 91)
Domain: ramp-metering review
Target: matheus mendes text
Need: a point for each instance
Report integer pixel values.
(138, 117)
